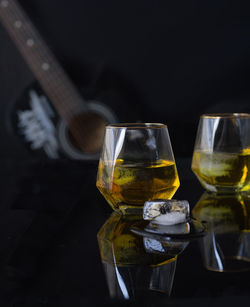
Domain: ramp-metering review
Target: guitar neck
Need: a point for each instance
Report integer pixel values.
(54, 81)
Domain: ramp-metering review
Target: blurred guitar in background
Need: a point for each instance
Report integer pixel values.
(52, 118)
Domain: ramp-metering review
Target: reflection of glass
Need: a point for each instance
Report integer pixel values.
(136, 165)
(133, 264)
(221, 158)
(226, 247)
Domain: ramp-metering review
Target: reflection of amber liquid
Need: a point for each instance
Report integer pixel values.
(225, 247)
(119, 246)
(131, 184)
(223, 170)
(132, 269)
(224, 213)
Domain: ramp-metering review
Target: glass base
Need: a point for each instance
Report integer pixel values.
(132, 282)
(231, 264)
(222, 189)
(129, 209)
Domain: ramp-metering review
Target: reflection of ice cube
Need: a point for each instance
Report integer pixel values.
(152, 245)
(171, 247)
(165, 211)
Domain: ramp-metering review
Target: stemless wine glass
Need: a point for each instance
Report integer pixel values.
(221, 158)
(136, 164)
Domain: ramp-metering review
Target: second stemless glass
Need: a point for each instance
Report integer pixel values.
(136, 164)
(221, 158)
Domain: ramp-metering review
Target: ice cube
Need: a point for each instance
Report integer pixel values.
(217, 164)
(171, 218)
(183, 228)
(165, 211)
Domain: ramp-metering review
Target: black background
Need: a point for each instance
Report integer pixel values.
(163, 61)
(172, 60)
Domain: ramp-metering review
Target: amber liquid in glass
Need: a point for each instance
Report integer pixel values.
(131, 184)
(223, 170)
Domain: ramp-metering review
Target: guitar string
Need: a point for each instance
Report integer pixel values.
(44, 51)
(56, 97)
(55, 70)
(37, 67)
(33, 65)
(51, 91)
(39, 56)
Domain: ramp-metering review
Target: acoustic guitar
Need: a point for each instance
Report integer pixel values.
(56, 120)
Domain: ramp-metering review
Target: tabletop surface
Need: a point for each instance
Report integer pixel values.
(51, 213)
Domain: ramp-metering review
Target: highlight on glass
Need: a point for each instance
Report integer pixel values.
(221, 158)
(137, 164)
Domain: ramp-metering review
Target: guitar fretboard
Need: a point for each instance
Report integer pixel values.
(41, 61)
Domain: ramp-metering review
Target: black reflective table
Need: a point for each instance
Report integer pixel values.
(49, 254)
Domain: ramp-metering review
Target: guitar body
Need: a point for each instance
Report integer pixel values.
(52, 117)
(60, 122)
(42, 131)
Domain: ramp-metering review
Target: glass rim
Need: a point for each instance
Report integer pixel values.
(226, 115)
(136, 126)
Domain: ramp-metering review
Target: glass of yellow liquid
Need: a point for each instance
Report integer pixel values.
(137, 164)
(221, 158)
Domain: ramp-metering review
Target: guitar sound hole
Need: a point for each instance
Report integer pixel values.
(86, 132)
